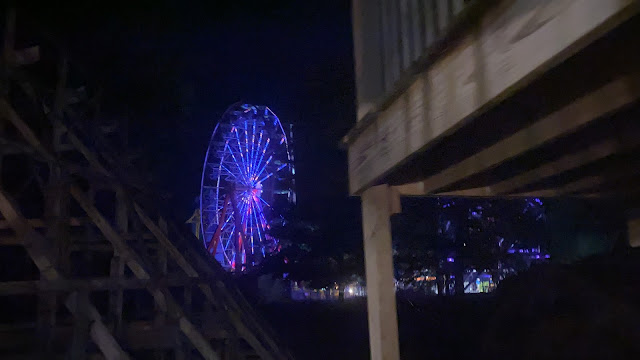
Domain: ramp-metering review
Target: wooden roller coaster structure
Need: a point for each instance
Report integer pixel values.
(90, 264)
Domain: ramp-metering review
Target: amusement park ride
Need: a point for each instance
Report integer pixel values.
(247, 177)
(92, 264)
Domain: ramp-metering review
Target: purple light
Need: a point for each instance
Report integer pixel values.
(547, 256)
(450, 259)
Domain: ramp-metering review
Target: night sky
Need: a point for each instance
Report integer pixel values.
(173, 67)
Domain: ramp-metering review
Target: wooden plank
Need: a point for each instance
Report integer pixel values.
(387, 45)
(573, 188)
(512, 47)
(430, 23)
(188, 268)
(416, 29)
(164, 240)
(237, 307)
(565, 163)
(88, 154)
(443, 15)
(406, 34)
(80, 338)
(607, 99)
(381, 297)
(9, 113)
(162, 297)
(36, 246)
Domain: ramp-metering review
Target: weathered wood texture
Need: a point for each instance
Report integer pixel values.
(393, 37)
(377, 205)
(512, 45)
(88, 209)
(609, 98)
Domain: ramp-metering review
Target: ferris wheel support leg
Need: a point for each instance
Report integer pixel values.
(377, 204)
(215, 239)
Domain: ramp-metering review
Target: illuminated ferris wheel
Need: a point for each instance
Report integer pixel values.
(247, 177)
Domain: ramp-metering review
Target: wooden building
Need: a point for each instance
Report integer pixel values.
(488, 98)
(91, 266)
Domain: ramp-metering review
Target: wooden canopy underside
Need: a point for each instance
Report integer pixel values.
(571, 129)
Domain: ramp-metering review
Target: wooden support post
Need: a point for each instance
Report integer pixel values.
(116, 296)
(231, 348)
(117, 266)
(162, 266)
(57, 222)
(80, 338)
(377, 204)
(46, 322)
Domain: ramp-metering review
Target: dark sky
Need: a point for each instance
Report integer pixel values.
(175, 66)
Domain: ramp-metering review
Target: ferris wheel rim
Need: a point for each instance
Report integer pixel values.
(260, 219)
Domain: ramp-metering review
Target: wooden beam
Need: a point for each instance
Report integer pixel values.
(132, 260)
(237, 307)
(37, 247)
(9, 113)
(162, 297)
(80, 336)
(381, 297)
(565, 163)
(607, 99)
(572, 189)
(189, 269)
(512, 46)
(164, 240)
(88, 154)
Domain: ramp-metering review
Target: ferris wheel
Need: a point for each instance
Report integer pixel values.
(247, 177)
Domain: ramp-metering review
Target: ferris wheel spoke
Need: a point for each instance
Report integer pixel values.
(230, 237)
(253, 143)
(244, 165)
(259, 164)
(229, 171)
(264, 167)
(264, 220)
(235, 161)
(264, 201)
(254, 154)
(246, 147)
(258, 223)
(266, 177)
